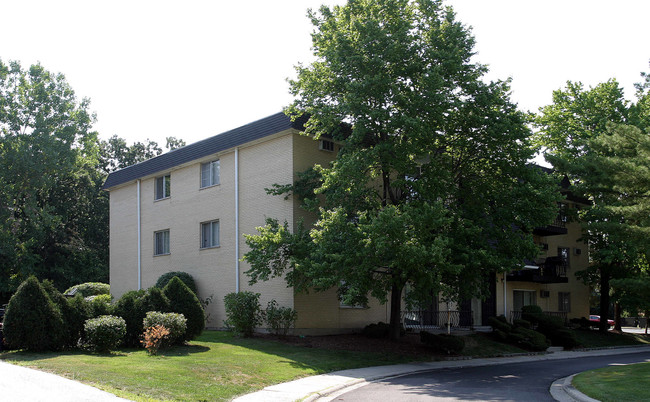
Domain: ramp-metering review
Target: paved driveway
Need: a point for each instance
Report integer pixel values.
(19, 384)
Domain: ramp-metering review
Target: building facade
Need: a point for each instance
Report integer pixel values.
(187, 210)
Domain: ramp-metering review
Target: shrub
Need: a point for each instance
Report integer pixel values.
(183, 276)
(175, 323)
(74, 313)
(99, 305)
(242, 312)
(531, 313)
(528, 339)
(133, 307)
(105, 333)
(185, 302)
(564, 337)
(154, 337)
(448, 344)
(90, 289)
(280, 319)
(498, 324)
(521, 323)
(378, 330)
(130, 308)
(581, 323)
(32, 321)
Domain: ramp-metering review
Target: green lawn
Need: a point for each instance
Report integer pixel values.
(616, 383)
(597, 339)
(217, 366)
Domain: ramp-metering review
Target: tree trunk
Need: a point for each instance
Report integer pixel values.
(604, 299)
(617, 317)
(395, 312)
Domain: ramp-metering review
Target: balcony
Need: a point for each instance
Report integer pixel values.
(550, 270)
(557, 227)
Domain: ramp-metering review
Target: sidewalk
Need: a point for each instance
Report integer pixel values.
(325, 387)
(18, 384)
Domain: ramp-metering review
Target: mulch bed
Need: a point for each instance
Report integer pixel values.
(409, 344)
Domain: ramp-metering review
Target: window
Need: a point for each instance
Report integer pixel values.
(325, 145)
(521, 298)
(564, 253)
(163, 187)
(564, 301)
(210, 174)
(210, 234)
(161, 242)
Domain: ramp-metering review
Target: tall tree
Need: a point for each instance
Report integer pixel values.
(589, 136)
(49, 186)
(431, 188)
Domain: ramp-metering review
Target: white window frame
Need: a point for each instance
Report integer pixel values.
(162, 183)
(208, 237)
(161, 240)
(210, 173)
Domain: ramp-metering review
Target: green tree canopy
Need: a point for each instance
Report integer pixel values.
(590, 135)
(431, 187)
(53, 216)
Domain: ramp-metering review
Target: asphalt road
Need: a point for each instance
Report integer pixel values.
(509, 382)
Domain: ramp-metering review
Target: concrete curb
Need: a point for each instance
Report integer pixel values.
(562, 390)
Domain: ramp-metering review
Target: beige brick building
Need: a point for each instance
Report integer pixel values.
(187, 210)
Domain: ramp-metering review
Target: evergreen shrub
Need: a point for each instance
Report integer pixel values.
(130, 308)
(32, 321)
(376, 331)
(74, 313)
(187, 279)
(528, 339)
(242, 312)
(105, 333)
(184, 301)
(99, 305)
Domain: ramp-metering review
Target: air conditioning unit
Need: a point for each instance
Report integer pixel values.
(325, 145)
(577, 251)
(544, 293)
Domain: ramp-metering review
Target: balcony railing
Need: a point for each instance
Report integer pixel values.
(423, 319)
(516, 315)
(551, 270)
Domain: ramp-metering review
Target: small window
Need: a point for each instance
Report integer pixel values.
(564, 302)
(210, 234)
(325, 145)
(163, 187)
(564, 253)
(161, 242)
(210, 174)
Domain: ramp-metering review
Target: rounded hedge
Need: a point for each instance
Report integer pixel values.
(105, 332)
(133, 307)
(174, 322)
(183, 276)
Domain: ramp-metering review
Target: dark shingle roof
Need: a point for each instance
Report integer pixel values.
(220, 142)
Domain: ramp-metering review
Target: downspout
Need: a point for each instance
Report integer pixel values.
(237, 220)
(139, 238)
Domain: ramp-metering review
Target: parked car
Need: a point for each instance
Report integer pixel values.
(595, 321)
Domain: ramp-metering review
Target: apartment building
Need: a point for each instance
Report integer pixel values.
(187, 210)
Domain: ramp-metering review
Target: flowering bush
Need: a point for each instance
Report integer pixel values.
(175, 323)
(154, 337)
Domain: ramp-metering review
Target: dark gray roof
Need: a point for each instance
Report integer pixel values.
(220, 142)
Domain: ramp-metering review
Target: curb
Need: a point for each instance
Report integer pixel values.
(562, 390)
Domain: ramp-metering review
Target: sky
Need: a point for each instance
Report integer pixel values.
(194, 69)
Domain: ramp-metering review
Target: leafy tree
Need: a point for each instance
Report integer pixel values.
(589, 135)
(431, 187)
(53, 216)
(634, 294)
(116, 154)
